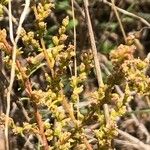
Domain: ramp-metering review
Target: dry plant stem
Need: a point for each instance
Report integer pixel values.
(28, 143)
(96, 61)
(41, 127)
(19, 104)
(93, 45)
(134, 140)
(87, 143)
(79, 9)
(138, 124)
(126, 144)
(10, 23)
(38, 117)
(13, 18)
(75, 45)
(106, 114)
(28, 88)
(129, 14)
(64, 101)
(74, 36)
(148, 101)
(120, 10)
(119, 20)
(11, 77)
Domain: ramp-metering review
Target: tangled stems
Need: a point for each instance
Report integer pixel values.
(30, 93)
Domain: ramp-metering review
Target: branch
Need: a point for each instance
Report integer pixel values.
(134, 140)
(119, 20)
(93, 45)
(128, 13)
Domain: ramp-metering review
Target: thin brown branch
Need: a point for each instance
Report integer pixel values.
(129, 14)
(93, 45)
(11, 76)
(133, 140)
(126, 144)
(88, 146)
(119, 20)
(106, 114)
(74, 36)
(32, 96)
(41, 127)
(138, 124)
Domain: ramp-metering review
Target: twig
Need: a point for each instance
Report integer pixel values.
(106, 114)
(119, 20)
(140, 125)
(13, 18)
(87, 143)
(31, 95)
(79, 9)
(94, 49)
(74, 36)
(41, 128)
(96, 61)
(75, 46)
(12, 76)
(128, 13)
(11, 80)
(126, 144)
(22, 18)
(134, 140)
(28, 143)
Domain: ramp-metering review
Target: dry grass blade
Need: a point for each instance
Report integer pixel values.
(134, 140)
(12, 76)
(93, 45)
(129, 14)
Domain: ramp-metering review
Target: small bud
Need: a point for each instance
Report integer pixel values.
(55, 40)
(65, 21)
